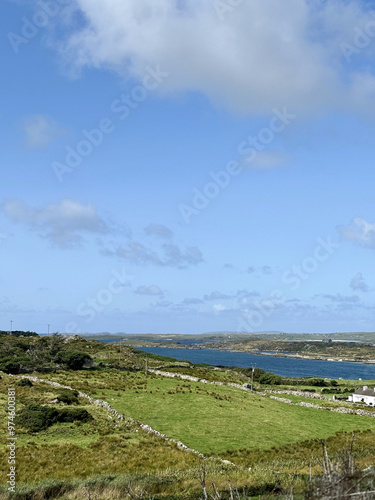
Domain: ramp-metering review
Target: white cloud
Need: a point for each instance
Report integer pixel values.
(217, 296)
(177, 257)
(260, 56)
(170, 255)
(341, 298)
(220, 308)
(40, 131)
(266, 270)
(358, 283)
(149, 290)
(265, 160)
(158, 230)
(61, 223)
(246, 294)
(359, 231)
(192, 301)
(260, 270)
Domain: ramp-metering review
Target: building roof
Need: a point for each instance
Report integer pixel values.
(365, 392)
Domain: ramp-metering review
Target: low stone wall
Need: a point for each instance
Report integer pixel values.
(283, 400)
(311, 395)
(190, 378)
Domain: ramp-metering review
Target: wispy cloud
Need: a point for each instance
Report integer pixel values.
(265, 160)
(359, 231)
(338, 297)
(259, 270)
(153, 290)
(192, 301)
(217, 296)
(40, 131)
(158, 230)
(168, 255)
(62, 223)
(358, 283)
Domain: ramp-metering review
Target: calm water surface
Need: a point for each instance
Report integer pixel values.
(287, 367)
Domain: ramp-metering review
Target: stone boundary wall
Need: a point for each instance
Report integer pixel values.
(311, 395)
(197, 379)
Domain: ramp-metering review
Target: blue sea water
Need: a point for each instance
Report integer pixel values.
(287, 367)
(186, 342)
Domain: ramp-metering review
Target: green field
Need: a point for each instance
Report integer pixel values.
(214, 419)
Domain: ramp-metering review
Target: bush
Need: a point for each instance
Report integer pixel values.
(258, 372)
(24, 382)
(74, 414)
(332, 390)
(73, 360)
(270, 379)
(35, 417)
(318, 382)
(10, 366)
(67, 396)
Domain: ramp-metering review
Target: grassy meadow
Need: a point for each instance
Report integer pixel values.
(215, 419)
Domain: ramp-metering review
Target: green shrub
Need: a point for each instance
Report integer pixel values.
(331, 390)
(258, 372)
(318, 382)
(68, 396)
(24, 382)
(35, 417)
(270, 379)
(10, 364)
(72, 360)
(74, 414)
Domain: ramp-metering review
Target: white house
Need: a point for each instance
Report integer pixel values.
(364, 395)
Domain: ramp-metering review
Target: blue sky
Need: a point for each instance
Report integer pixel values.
(169, 167)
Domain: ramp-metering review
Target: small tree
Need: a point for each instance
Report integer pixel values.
(73, 360)
(270, 379)
(258, 372)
